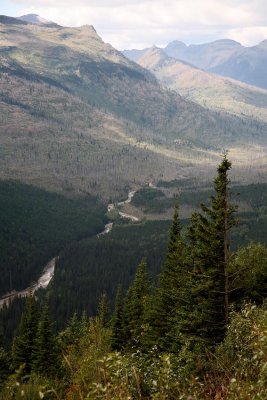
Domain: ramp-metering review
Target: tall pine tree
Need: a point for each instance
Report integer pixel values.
(205, 310)
(23, 344)
(45, 351)
(117, 322)
(137, 307)
(167, 298)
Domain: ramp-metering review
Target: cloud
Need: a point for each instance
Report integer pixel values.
(137, 23)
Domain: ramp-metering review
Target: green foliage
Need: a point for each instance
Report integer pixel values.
(137, 306)
(242, 357)
(5, 365)
(35, 225)
(249, 273)
(33, 387)
(152, 200)
(167, 299)
(35, 348)
(45, 355)
(72, 333)
(24, 342)
(99, 265)
(206, 298)
(176, 341)
(103, 309)
(117, 323)
(82, 361)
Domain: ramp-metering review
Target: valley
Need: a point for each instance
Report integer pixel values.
(133, 201)
(81, 121)
(65, 128)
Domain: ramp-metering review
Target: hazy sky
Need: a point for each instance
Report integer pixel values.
(142, 23)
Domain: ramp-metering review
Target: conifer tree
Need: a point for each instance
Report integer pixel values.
(117, 322)
(205, 306)
(137, 306)
(23, 344)
(45, 352)
(167, 298)
(5, 361)
(103, 309)
(72, 333)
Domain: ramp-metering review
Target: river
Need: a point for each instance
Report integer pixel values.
(49, 269)
(43, 282)
(112, 206)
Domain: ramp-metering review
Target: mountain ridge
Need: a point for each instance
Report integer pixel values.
(224, 57)
(206, 88)
(78, 116)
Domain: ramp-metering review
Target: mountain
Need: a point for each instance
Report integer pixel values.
(207, 89)
(35, 19)
(247, 65)
(205, 56)
(225, 57)
(134, 54)
(79, 117)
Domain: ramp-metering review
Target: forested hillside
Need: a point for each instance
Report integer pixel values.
(35, 226)
(161, 296)
(89, 265)
(77, 115)
(196, 331)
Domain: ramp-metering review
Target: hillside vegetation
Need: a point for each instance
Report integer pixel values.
(77, 115)
(198, 331)
(35, 225)
(207, 89)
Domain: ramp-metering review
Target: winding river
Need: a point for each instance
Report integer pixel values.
(43, 282)
(49, 270)
(112, 206)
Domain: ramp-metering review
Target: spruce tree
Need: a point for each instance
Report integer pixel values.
(167, 298)
(5, 361)
(204, 313)
(23, 344)
(71, 334)
(103, 309)
(45, 352)
(118, 337)
(137, 306)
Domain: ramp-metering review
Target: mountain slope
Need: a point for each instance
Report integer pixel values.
(205, 56)
(35, 19)
(205, 88)
(227, 58)
(76, 115)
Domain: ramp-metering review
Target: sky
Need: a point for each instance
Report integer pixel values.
(128, 24)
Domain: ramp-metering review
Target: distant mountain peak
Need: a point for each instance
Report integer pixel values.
(228, 41)
(176, 43)
(263, 44)
(35, 19)
(4, 19)
(154, 58)
(89, 28)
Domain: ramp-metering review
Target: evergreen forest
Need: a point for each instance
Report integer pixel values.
(187, 321)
